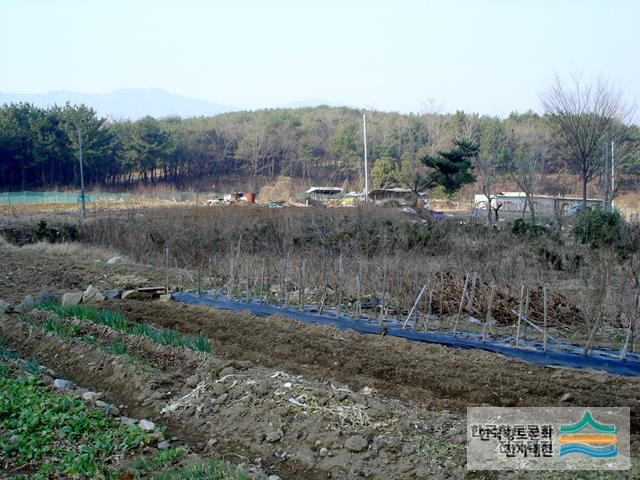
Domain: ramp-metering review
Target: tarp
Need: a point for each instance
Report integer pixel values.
(567, 356)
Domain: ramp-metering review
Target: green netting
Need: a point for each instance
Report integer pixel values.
(43, 198)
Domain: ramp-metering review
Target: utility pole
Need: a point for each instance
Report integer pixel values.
(613, 175)
(366, 168)
(83, 211)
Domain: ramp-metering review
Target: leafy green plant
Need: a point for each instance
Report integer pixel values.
(58, 435)
(116, 348)
(119, 322)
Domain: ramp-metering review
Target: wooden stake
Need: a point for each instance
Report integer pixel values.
(488, 322)
(210, 276)
(520, 312)
(232, 276)
(415, 305)
(546, 317)
(464, 293)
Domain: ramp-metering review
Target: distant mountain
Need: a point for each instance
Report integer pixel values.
(314, 102)
(132, 103)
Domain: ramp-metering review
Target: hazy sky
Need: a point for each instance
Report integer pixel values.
(483, 56)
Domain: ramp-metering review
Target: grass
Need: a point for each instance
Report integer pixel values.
(117, 321)
(162, 466)
(62, 330)
(57, 435)
(116, 348)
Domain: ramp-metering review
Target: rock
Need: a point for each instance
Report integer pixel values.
(60, 384)
(5, 307)
(273, 436)
(164, 445)
(165, 297)
(70, 299)
(90, 396)
(26, 305)
(129, 422)
(92, 295)
(113, 260)
(273, 477)
(14, 439)
(147, 425)
(45, 296)
(136, 295)
(356, 444)
(112, 294)
(566, 397)
(323, 452)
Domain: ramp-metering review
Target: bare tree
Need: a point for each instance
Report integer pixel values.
(582, 115)
(529, 143)
(490, 156)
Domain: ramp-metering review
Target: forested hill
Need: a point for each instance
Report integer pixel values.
(39, 146)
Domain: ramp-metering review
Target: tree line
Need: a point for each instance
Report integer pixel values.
(39, 147)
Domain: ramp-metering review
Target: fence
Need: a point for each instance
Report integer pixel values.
(44, 198)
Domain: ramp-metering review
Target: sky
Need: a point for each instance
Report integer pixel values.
(489, 57)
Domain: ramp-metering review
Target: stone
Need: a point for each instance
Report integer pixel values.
(60, 384)
(90, 396)
(5, 307)
(273, 436)
(566, 397)
(356, 444)
(45, 296)
(323, 452)
(147, 425)
(26, 305)
(112, 294)
(113, 260)
(14, 439)
(92, 295)
(165, 297)
(273, 477)
(164, 445)
(129, 422)
(70, 299)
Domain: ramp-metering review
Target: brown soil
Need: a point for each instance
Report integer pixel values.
(427, 381)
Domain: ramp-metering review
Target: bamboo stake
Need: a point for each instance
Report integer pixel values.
(464, 292)
(429, 310)
(415, 305)
(384, 287)
(520, 312)
(302, 286)
(546, 317)
(232, 276)
(339, 286)
(488, 320)
(166, 268)
(210, 276)
(358, 293)
(472, 292)
(262, 282)
(286, 283)
(246, 276)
